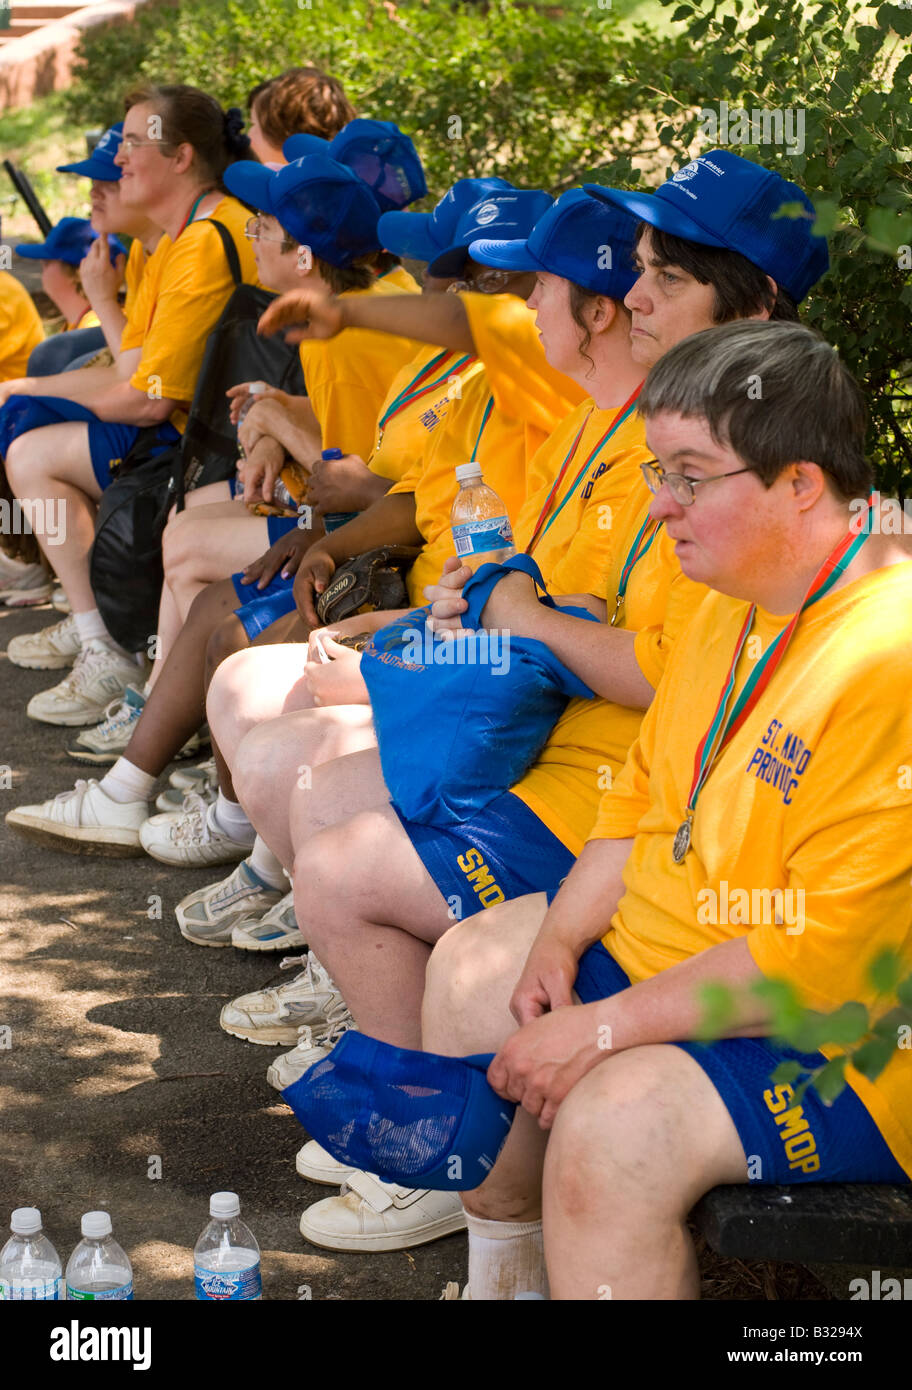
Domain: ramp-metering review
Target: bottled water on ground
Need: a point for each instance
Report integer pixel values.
(481, 527)
(98, 1267)
(30, 1267)
(226, 1258)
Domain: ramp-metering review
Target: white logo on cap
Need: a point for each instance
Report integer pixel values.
(486, 213)
(688, 172)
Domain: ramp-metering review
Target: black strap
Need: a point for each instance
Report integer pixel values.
(231, 254)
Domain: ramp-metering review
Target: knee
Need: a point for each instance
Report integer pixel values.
(223, 642)
(452, 1008)
(254, 765)
(21, 463)
(177, 543)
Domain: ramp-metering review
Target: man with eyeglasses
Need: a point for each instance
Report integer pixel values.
(760, 830)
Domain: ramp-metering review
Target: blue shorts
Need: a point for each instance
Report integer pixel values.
(260, 608)
(784, 1143)
(280, 526)
(504, 853)
(109, 444)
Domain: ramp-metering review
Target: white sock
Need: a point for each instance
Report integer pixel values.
(127, 782)
(231, 819)
(90, 625)
(265, 865)
(505, 1258)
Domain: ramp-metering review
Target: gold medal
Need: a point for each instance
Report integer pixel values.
(681, 842)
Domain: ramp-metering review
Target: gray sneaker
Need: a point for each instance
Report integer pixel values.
(209, 916)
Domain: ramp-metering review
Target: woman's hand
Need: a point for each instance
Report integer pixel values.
(238, 395)
(285, 554)
(541, 1063)
(445, 597)
(313, 315)
(513, 603)
(333, 672)
(314, 573)
(100, 279)
(547, 980)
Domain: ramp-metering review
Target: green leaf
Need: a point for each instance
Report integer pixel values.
(786, 1073)
(829, 1081)
(846, 1024)
(682, 12)
(871, 1058)
(885, 971)
(718, 1003)
(904, 988)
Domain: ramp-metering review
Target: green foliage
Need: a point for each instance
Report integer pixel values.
(547, 96)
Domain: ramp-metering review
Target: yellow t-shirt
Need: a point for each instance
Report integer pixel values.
(589, 743)
(88, 320)
(401, 278)
(20, 327)
(348, 378)
(575, 543)
(405, 436)
(194, 283)
(140, 306)
(133, 273)
(811, 796)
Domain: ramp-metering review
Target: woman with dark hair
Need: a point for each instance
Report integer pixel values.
(177, 143)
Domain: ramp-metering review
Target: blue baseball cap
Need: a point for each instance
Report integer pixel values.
(378, 152)
(721, 199)
(100, 163)
(415, 1118)
(69, 241)
(320, 203)
(470, 208)
(579, 238)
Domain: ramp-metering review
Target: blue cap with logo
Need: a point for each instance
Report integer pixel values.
(378, 152)
(471, 209)
(69, 241)
(320, 203)
(580, 238)
(100, 163)
(721, 199)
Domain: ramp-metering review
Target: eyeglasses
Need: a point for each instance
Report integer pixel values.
(252, 231)
(129, 144)
(679, 485)
(482, 281)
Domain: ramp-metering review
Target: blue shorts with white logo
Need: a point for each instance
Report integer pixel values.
(504, 853)
(783, 1142)
(260, 608)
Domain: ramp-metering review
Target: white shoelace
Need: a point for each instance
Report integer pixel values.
(193, 827)
(116, 715)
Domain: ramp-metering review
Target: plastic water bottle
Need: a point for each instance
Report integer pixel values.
(29, 1265)
(481, 527)
(254, 389)
(98, 1267)
(226, 1258)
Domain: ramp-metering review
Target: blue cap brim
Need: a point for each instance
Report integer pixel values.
(299, 146)
(103, 171)
(505, 255)
(251, 183)
(658, 212)
(29, 251)
(408, 234)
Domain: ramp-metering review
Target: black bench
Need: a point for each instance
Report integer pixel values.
(817, 1223)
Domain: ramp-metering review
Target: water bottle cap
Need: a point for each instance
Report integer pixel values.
(467, 470)
(25, 1221)
(224, 1204)
(332, 453)
(96, 1225)
(256, 388)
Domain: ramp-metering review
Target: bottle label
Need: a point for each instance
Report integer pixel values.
(14, 1289)
(235, 1285)
(80, 1295)
(476, 537)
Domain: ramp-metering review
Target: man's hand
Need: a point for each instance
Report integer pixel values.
(238, 395)
(338, 680)
(541, 1063)
(260, 469)
(342, 485)
(100, 279)
(547, 980)
(284, 554)
(513, 603)
(314, 573)
(305, 315)
(445, 597)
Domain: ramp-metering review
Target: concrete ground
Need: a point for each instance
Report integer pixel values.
(114, 1067)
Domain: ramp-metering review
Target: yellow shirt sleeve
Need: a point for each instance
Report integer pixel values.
(133, 273)
(140, 307)
(20, 327)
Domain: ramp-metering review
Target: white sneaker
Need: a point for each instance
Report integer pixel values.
(108, 740)
(51, 649)
(317, 1164)
(101, 673)
(25, 585)
(60, 601)
(190, 838)
(208, 916)
(370, 1214)
(192, 779)
(451, 1293)
(315, 1041)
(271, 1016)
(276, 930)
(84, 821)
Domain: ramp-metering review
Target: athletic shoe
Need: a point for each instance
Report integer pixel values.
(51, 649)
(192, 779)
(172, 799)
(208, 916)
(370, 1214)
(22, 586)
(84, 821)
(60, 601)
(108, 740)
(101, 674)
(276, 930)
(317, 1164)
(191, 838)
(271, 1016)
(315, 1041)
(451, 1293)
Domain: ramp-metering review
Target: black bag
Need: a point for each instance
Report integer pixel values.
(125, 564)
